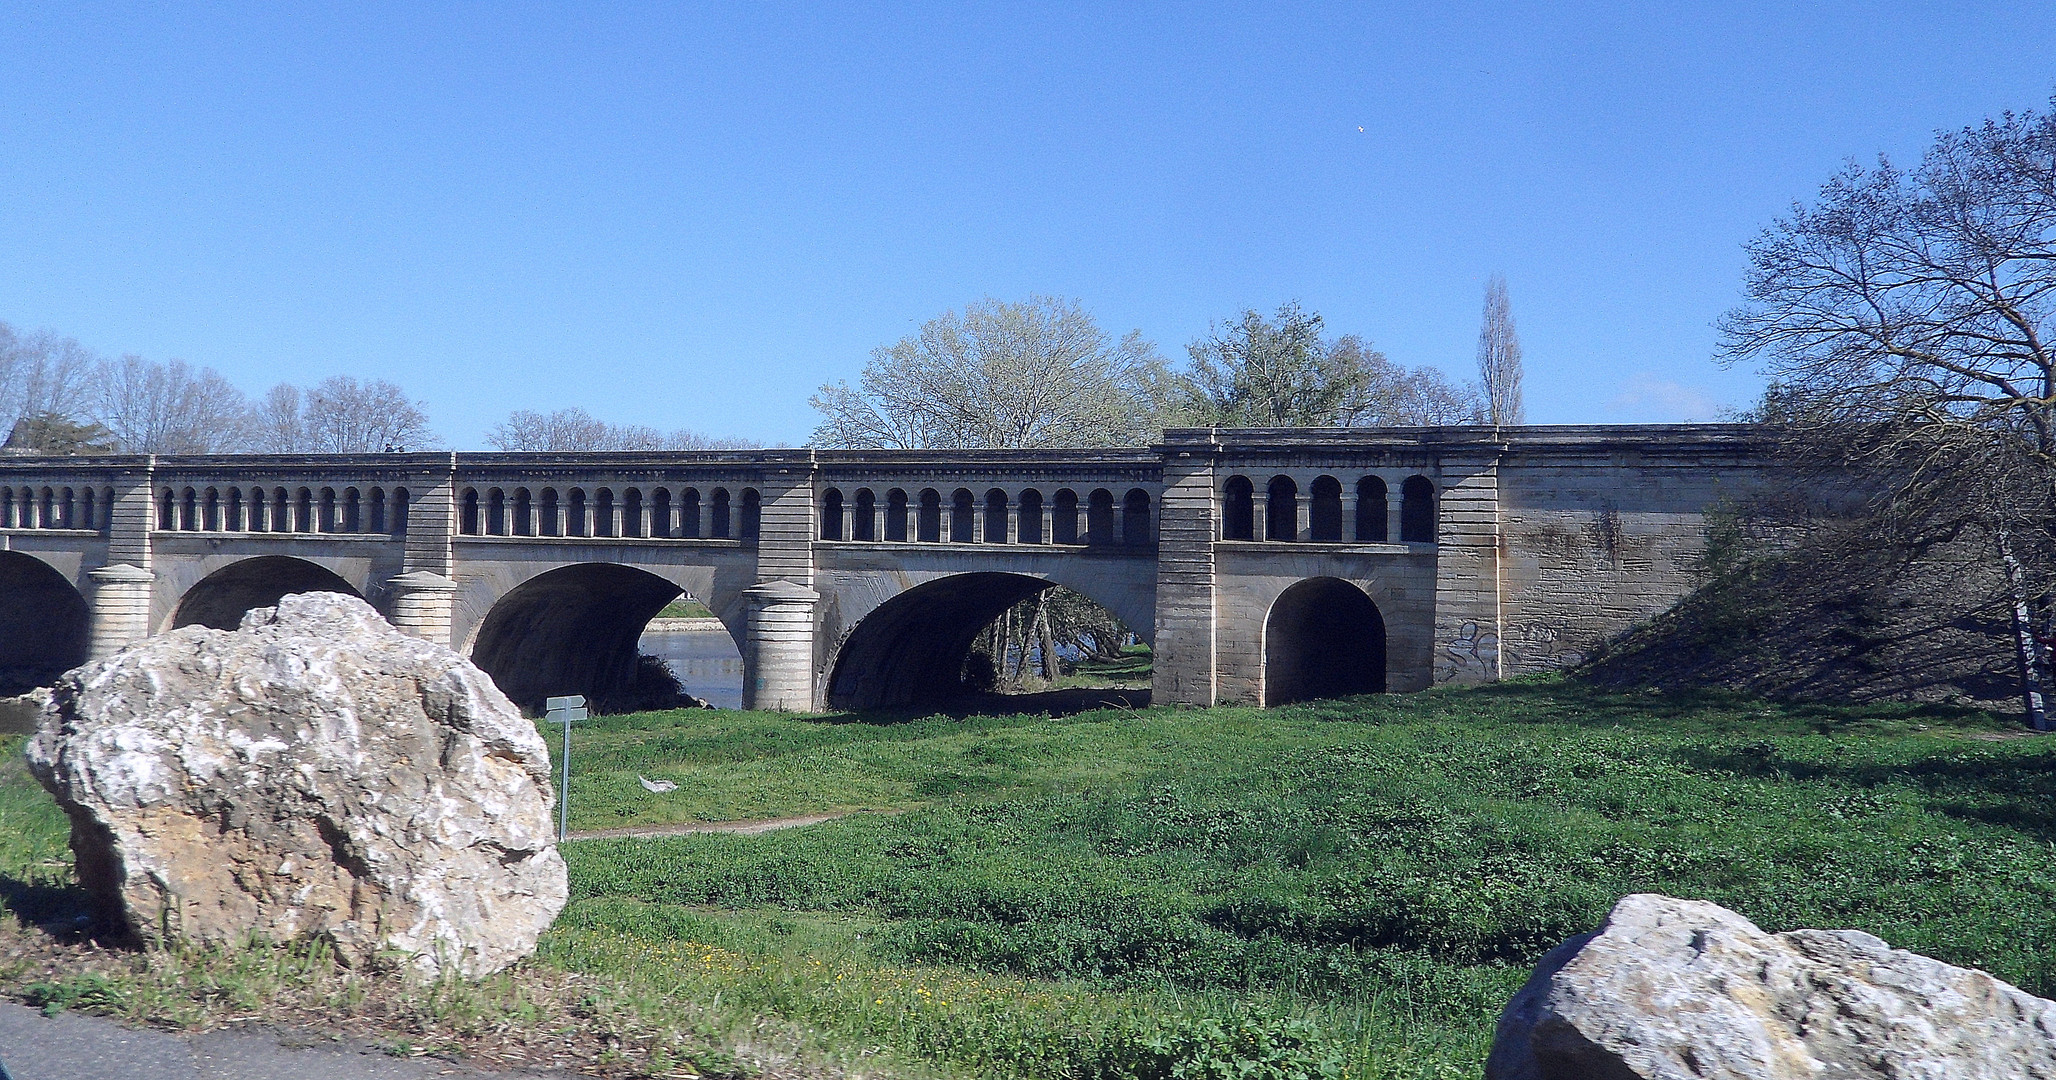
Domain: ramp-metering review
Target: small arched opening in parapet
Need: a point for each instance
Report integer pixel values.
(1370, 510)
(1417, 510)
(719, 515)
(1063, 517)
(234, 522)
(1030, 529)
(603, 512)
(1324, 511)
(689, 514)
(963, 516)
(45, 624)
(188, 511)
(995, 517)
(983, 637)
(303, 511)
(752, 515)
(495, 512)
(353, 511)
(281, 510)
(929, 528)
(1324, 638)
(331, 511)
(831, 514)
(864, 520)
(210, 511)
(1238, 509)
(1136, 519)
(585, 629)
(660, 514)
(896, 515)
(574, 513)
(1281, 509)
(467, 514)
(399, 512)
(222, 597)
(549, 525)
(524, 513)
(1099, 517)
(632, 513)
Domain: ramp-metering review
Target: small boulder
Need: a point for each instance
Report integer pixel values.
(1686, 990)
(313, 774)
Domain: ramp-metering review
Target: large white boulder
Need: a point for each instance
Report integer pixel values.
(315, 773)
(1686, 990)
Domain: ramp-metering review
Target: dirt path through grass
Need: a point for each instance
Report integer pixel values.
(737, 828)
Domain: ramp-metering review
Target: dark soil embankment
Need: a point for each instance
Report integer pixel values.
(1833, 618)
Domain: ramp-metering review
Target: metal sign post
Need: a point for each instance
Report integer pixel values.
(563, 710)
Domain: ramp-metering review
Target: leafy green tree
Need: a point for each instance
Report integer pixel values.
(1282, 372)
(50, 433)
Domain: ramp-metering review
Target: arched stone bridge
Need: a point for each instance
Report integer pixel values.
(1263, 565)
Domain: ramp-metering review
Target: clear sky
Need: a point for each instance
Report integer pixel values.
(690, 216)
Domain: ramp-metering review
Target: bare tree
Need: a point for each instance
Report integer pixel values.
(276, 425)
(344, 416)
(169, 408)
(1499, 358)
(574, 429)
(43, 375)
(1908, 320)
(1040, 373)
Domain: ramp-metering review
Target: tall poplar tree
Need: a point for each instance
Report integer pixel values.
(1499, 358)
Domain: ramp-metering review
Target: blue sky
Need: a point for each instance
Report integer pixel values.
(691, 217)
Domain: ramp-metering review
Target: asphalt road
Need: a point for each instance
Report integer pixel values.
(74, 1047)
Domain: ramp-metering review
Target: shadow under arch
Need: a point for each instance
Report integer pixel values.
(1323, 638)
(222, 597)
(45, 623)
(573, 630)
(911, 649)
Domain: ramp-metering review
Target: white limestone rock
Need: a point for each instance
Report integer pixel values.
(1686, 990)
(315, 773)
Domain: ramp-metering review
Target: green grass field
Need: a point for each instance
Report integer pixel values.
(1351, 887)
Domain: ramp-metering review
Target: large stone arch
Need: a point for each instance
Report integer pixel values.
(572, 629)
(45, 623)
(910, 649)
(221, 598)
(1324, 637)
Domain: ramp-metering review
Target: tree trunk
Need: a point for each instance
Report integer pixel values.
(1047, 644)
(2027, 645)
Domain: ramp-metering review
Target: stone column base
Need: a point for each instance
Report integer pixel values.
(121, 607)
(778, 660)
(423, 605)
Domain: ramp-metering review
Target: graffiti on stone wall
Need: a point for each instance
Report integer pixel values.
(1543, 643)
(1471, 650)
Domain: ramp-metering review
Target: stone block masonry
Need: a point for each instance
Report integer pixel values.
(859, 578)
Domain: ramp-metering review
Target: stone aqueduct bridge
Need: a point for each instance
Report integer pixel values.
(1263, 565)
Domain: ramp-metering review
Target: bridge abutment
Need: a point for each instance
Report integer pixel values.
(1184, 665)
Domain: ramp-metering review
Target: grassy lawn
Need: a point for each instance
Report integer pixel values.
(1351, 886)
(685, 608)
(1130, 672)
